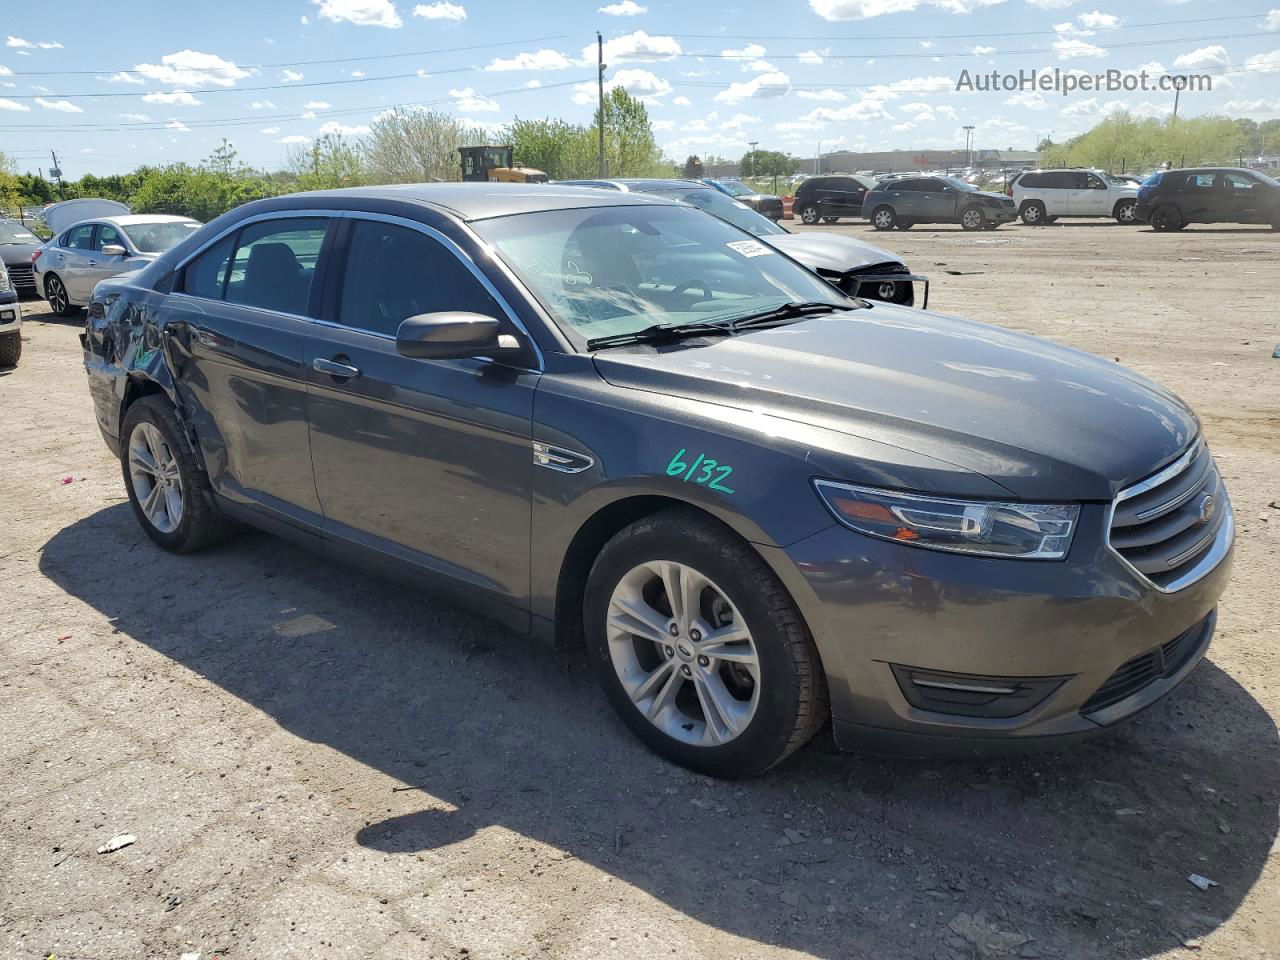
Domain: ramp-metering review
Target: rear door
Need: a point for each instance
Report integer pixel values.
(848, 194)
(71, 261)
(240, 317)
(1199, 199)
(425, 461)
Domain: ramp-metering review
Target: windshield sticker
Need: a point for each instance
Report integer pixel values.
(702, 470)
(749, 248)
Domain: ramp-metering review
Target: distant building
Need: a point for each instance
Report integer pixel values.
(896, 161)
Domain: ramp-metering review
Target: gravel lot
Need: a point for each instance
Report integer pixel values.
(317, 764)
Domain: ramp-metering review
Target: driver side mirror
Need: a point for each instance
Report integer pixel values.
(114, 250)
(452, 335)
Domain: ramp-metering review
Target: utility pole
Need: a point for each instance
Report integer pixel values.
(600, 65)
(817, 161)
(968, 138)
(752, 155)
(56, 172)
(1177, 92)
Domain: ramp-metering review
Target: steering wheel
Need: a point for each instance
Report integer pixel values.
(690, 283)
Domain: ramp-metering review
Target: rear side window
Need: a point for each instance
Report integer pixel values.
(206, 275)
(275, 263)
(394, 273)
(1029, 180)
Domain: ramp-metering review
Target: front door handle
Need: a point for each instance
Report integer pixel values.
(334, 369)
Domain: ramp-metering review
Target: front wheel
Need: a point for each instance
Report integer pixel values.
(1125, 211)
(56, 293)
(699, 648)
(883, 218)
(810, 215)
(10, 349)
(973, 219)
(169, 492)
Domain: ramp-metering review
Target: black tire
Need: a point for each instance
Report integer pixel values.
(201, 524)
(809, 214)
(1050, 219)
(55, 291)
(1034, 214)
(1124, 211)
(990, 226)
(973, 219)
(830, 219)
(905, 224)
(1166, 218)
(10, 348)
(793, 701)
(884, 218)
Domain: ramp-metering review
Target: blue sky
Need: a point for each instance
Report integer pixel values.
(111, 86)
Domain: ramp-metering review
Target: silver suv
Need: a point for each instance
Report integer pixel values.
(1042, 196)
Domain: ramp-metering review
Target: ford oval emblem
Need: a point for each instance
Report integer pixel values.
(1208, 507)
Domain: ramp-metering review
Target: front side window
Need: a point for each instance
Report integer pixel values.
(1095, 183)
(79, 238)
(107, 234)
(395, 272)
(1238, 181)
(206, 275)
(275, 263)
(602, 271)
(160, 236)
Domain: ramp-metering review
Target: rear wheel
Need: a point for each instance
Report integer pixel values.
(809, 214)
(56, 293)
(973, 219)
(699, 648)
(905, 224)
(10, 349)
(1166, 218)
(1034, 213)
(1125, 211)
(169, 492)
(883, 218)
(830, 219)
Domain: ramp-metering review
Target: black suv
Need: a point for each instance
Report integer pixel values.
(1171, 199)
(829, 198)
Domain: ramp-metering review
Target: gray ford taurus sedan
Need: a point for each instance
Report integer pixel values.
(617, 421)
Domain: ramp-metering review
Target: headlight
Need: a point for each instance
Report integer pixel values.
(1018, 530)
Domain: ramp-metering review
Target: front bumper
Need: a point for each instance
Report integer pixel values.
(1001, 214)
(10, 312)
(880, 611)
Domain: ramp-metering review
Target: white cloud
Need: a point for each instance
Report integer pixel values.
(1263, 108)
(467, 100)
(860, 9)
(636, 47)
(641, 84)
(178, 97)
(177, 125)
(135, 118)
(625, 8)
(903, 127)
(123, 77)
(5, 71)
(357, 73)
(262, 105)
(1273, 21)
(964, 6)
(363, 13)
(191, 68)
(1264, 62)
(1097, 20)
(1214, 55)
(751, 51)
(682, 102)
(19, 43)
(304, 20)
(290, 76)
(1052, 4)
(422, 73)
(760, 87)
(13, 105)
(926, 44)
(824, 95)
(294, 138)
(1074, 49)
(532, 84)
(61, 106)
(814, 57)
(308, 115)
(342, 130)
(982, 51)
(440, 11)
(663, 125)
(866, 108)
(270, 131)
(541, 60)
(316, 105)
(1027, 99)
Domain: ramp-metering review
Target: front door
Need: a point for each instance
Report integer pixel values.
(100, 266)
(239, 321)
(1242, 199)
(428, 461)
(936, 201)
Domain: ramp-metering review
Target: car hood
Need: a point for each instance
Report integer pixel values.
(1044, 421)
(18, 252)
(830, 251)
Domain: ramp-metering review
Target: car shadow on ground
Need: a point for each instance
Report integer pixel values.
(1088, 851)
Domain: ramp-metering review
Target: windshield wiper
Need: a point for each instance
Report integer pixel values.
(661, 331)
(786, 311)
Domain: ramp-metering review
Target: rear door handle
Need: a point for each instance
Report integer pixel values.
(334, 369)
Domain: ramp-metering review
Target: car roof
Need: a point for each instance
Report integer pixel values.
(481, 201)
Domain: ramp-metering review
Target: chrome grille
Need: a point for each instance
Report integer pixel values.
(1176, 525)
(22, 276)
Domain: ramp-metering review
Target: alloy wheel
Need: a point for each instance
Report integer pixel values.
(157, 481)
(883, 219)
(1125, 213)
(683, 653)
(57, 295)
(1031, 214)
(972, 219)
(809, 215)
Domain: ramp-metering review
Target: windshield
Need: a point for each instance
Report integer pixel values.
(1264, 178)
(602, 271)
(726, 208)
(734, 188)
(1116, 181)
(16, 233)
(959, 184)
(159, 237)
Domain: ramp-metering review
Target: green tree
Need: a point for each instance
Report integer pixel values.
(693, 169)
(332, 161)
(629, 145)
(563, 151)
(413, 146)
(768, 163)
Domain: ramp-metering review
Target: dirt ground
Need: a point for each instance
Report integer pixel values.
(318, 764)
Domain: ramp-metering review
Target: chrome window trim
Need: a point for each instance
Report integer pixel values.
(1224, 537)
(270, 215)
